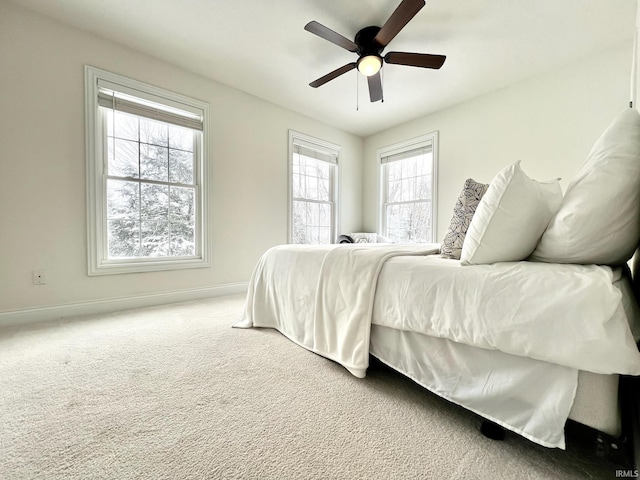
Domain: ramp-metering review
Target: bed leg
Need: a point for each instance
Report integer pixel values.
(492, 430)
(610, 448)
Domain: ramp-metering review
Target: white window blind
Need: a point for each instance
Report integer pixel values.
(120, 98)
(415, 152)
(313, 151)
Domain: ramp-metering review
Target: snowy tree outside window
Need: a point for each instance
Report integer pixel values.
(151, 209)
(408, 174)
(313, 173)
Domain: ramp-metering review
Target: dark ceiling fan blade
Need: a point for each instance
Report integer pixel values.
(328, 34)
(424, 60)
(398, 19)
(330, 76)
(375, 87)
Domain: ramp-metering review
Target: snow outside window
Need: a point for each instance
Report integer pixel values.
(408, 186)
(313, 172)
(146, 177)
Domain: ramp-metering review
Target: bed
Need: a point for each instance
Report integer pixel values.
(530, 323)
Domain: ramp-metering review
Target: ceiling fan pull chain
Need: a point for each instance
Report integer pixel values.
(382, 84)
(357, 93)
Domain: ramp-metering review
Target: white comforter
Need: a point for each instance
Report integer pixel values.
(570, 315)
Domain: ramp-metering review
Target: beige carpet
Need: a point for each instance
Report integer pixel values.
(174, 392)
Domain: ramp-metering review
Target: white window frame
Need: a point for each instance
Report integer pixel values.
(321, 146)
(429, 139)
(98, 261)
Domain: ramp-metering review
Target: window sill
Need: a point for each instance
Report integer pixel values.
(124, 267)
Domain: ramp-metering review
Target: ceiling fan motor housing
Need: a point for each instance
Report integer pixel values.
(365, 40)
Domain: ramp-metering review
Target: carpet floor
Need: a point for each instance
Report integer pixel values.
(174, 392)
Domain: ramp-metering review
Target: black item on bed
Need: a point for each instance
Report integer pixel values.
(345, 239)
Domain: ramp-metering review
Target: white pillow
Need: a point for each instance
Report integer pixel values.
(510, 218)
(599, 219)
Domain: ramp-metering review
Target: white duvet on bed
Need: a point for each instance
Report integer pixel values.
(570, 315)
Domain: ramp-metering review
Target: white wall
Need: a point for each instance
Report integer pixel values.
(549, 122)
(42, 167)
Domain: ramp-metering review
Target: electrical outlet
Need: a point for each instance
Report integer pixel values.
(39, 277)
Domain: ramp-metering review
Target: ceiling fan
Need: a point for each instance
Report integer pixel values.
(369, 44)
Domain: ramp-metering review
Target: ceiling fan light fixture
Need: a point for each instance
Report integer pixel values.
(369, 65)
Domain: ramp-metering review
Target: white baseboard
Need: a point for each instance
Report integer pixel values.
(26, 316)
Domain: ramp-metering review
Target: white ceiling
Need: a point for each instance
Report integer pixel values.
(260, 46)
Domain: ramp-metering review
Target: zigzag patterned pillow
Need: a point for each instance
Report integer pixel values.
(468, 201)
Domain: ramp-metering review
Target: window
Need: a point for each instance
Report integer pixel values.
(145, 175)
(408, 190)
(313, 192)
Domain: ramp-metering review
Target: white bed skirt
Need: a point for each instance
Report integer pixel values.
(530, 397)
(595, 404)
